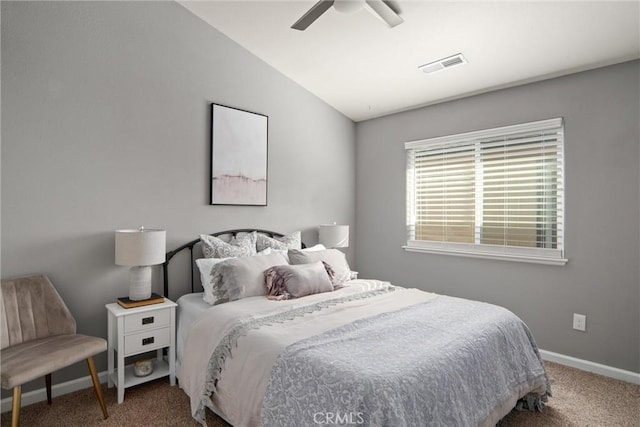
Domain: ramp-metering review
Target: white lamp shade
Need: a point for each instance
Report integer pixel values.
(140, 247)
(334, 236)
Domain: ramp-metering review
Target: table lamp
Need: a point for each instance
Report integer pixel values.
(333, 235)
(140, 249)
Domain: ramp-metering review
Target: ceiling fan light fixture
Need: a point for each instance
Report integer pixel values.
(348, 6)
(379, 8)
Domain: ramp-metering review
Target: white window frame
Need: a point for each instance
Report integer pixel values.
(554, 256)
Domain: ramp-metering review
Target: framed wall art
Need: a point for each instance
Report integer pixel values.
(238, 157)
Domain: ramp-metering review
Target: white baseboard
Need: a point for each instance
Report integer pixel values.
(40, 395)
(596, 368)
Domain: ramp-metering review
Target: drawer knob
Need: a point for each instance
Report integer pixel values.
(147, 320)
(147, 341)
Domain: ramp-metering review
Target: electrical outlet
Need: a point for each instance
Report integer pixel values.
(579, 322)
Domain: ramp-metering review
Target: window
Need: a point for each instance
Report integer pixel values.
(495, 193)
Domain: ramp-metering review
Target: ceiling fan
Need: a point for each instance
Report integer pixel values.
(381, 8)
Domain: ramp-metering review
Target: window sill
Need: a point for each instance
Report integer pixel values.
(486, 255)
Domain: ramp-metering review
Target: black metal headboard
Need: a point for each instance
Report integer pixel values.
(192, 243)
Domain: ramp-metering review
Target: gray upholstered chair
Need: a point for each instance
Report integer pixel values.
(38, 336)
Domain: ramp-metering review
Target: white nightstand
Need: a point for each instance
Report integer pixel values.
(138, 330)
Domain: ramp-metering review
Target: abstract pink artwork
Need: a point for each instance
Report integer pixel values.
(238, 157)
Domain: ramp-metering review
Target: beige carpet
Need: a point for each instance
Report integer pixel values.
(579, 399)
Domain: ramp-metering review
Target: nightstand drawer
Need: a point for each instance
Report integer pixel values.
(146, 320)
(144, 341)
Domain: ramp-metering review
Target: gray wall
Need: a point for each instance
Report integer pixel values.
(105, 125)
(601, 280)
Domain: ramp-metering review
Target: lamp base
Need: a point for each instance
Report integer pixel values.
(140, 283)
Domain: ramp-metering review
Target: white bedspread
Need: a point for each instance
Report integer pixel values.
(190, 308)
(239, 392)
(246, 337)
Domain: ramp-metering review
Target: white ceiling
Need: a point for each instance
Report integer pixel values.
(365, 69)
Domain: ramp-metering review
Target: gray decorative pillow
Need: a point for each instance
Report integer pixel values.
(243, 277)
(294, 281)
(291, 241)
(336, 259)
(241, 245)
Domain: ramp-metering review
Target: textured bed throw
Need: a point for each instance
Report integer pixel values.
(445, 362)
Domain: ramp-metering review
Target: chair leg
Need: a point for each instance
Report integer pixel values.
(96, 386)
(15, 414)
(47, 381)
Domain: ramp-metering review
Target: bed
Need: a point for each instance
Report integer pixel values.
(366, 352)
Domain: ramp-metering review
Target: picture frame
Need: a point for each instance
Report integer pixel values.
(239, 154)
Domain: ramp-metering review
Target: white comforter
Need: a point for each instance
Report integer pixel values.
(239, 392)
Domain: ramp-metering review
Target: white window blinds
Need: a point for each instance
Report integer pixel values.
(497, 192)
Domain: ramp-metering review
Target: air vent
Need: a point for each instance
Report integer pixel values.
(444, 63)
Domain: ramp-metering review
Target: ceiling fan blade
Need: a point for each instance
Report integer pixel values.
(312, 14)
(385, 12)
